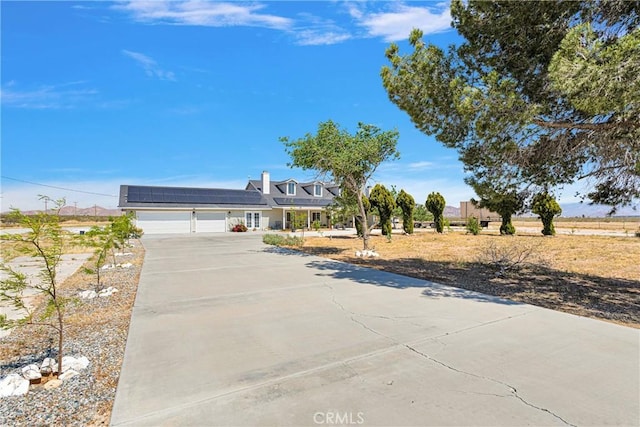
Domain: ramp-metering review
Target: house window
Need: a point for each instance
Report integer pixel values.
(252, 219)
(291, 189)
(315, 216)
(317, 190)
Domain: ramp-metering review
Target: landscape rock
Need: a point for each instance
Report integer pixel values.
(76, 364)
(367, 254)
(124, 253)
(49, 366)
(89, 294)
(13, 385)
(125, 265)
(107, 292)
(31, 372)
(69, 373)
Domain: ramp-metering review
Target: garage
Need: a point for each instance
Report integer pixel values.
(164, 222)
(211, 222)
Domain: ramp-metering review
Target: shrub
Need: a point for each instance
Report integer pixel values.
(546, 207)
(638, 233)
(510, 256)
(473, 226)
(279, 240)
(239, 228)
(435, 204)
(407, 203)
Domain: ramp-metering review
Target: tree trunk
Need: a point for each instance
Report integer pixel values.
(365, 225)
(60, 338)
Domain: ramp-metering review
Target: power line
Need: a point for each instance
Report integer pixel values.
(58, 188)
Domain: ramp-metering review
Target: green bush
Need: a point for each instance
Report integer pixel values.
(279, 240)
(473, 226)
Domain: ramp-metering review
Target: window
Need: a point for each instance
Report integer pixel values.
(315, 216)
(317, 190)
(291, 188)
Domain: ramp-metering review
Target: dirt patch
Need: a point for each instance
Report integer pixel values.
(593, 276)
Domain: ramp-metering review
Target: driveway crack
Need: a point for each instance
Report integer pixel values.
(512, 390)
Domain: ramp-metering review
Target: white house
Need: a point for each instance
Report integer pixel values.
(263, 204)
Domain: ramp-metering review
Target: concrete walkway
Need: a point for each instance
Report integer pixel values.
(227, 331)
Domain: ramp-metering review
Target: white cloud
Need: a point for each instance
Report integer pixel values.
(397, 23)
(203, 13)
(61, 96)
(315, 37)
(149, 65)
(421, 165)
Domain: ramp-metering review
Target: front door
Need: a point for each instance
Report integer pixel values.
(253, 219)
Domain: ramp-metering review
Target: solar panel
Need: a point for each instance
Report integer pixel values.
(139, 194)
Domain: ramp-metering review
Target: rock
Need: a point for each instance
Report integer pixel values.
(49, 366)
(31, 372)
(88, 294)
(124, 253)
(52, 384)
(13, 385)
(107, 292)
(358, 254)
(69, 373)
(76, 364)
(126, 265)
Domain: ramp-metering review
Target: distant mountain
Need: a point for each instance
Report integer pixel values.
(573, 210)
(450, 211)
(73, 211)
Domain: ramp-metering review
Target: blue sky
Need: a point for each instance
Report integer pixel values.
(98, 94)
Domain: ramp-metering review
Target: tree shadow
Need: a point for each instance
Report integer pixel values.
(581, 294)
(371, 276)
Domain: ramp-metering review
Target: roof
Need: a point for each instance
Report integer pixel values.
(304, 195)
(149, 196)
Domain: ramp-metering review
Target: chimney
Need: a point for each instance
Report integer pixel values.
(266, 183)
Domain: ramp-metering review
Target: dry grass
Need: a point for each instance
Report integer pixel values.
(595, 276)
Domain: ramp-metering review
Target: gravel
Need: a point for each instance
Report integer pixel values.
(95, 328)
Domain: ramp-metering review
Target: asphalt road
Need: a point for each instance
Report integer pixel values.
(228, 331)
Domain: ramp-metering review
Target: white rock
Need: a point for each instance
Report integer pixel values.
(31, 372)
(124, 254)
(77, 364)
(107, 267)
(126, 265)
(358, 254)
(107, 292)
(88, 294)
(49, 365)
(13, 385)
(69, 373)
(52, 384)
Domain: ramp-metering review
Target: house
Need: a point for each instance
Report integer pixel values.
(263, 204)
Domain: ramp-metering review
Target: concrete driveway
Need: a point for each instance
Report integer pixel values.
(228, 331)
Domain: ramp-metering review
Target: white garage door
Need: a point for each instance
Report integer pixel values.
(210, 222)
(164, 222)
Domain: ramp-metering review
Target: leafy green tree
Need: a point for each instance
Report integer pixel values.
(420, 213)
(540, 93)
(44, 240)
(382, 200)
(546, 207)
(103, 241)
(350, 160)
(435, 204)
(506, 202)
(123, 228)
(407, 203)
